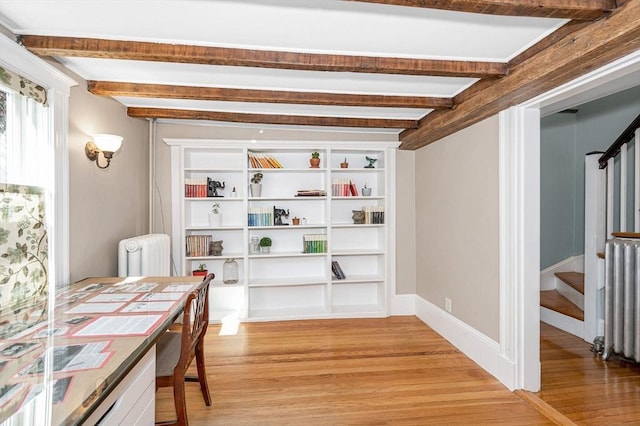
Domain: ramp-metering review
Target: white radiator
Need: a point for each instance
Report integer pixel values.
(622, 299)
(146, 255)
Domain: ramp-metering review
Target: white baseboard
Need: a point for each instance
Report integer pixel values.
(563, 322)
(570, 264)
(479, 348)
(403, 304)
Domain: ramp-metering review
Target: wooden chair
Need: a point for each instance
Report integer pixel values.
(175, 352)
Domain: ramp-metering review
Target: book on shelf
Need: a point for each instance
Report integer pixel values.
(341, 187)
(311, 193)
(337, 270)
(197, 245)
(195, 187)
(373, 214)
(314, 243)
(260, 216)
(263, 161)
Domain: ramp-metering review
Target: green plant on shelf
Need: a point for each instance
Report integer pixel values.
(257, 178)
(315, 154)
(265, 242)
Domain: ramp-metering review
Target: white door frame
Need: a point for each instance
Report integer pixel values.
(520, 209)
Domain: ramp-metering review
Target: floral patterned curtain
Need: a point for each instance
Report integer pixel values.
(23, 248)
(23, 85)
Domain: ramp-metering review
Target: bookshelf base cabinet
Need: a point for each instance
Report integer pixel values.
(315, 243)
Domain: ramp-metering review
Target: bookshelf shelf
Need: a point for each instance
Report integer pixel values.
(288, 283)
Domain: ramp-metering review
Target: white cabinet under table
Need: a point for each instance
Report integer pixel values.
(288, 283)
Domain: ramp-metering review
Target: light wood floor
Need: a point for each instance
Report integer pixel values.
(373, 372)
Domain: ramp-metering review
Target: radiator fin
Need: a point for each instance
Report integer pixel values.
(622, 298)
(145, 255)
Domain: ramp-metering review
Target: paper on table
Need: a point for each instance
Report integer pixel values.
(148, 306)
(112, 297)
(154, 297)
(95, 308)
(179, 288)
(120, 325)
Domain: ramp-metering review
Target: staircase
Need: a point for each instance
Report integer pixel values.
(563, 307)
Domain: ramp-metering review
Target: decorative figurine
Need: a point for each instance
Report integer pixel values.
(212, 188)
(358, 216)
(277, 216)
(215, 247)
(371, 163)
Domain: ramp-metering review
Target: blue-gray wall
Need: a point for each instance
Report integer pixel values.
(565, 138)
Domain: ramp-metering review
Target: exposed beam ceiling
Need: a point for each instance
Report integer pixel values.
(293, 120)
(569, 9)
(112, 88)
(427, 91)
(162, 52)
(576, 54)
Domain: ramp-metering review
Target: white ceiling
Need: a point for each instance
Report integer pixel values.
(319, 26)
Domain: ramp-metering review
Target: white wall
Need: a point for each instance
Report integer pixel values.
(457, 241)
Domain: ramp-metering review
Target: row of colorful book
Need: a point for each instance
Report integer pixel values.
(263, 161)
(337, 270)
(314, 243)
(260, 216)
(198, 245)
(341, 187)
(195, 187)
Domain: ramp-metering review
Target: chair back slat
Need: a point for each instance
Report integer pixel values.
(198, 303)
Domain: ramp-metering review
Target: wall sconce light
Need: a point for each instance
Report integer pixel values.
(107, 144)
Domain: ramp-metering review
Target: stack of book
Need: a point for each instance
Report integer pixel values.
(314, 243)
(260, 216)
(198, 245)
(263, 161)
(341, 187)
(373, 214)
(311, 193)
(195, 187)
(337, 270)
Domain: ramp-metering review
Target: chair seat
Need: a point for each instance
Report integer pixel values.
(167, 353)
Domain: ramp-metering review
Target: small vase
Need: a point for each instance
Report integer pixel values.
(315, 163)
(265, 249)
(215, 219)
(256, 189)
(230, 271)
(366, 191)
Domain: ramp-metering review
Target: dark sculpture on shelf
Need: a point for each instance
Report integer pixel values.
(278, 214)
(358, 216)
(213, 186)
(371, 163)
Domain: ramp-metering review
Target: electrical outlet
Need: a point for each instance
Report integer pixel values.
(447, 304)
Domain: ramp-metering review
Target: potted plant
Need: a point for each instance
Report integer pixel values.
(256, 184)
(265, 245)
(366, 191)
(344, 164)
(315, 160)
(215, 217)
(201, 271)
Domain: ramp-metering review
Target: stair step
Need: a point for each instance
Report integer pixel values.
(574, 279)
(552, 299)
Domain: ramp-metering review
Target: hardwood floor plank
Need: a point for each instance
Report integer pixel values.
(332, 372)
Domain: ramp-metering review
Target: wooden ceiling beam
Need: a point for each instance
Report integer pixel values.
(582, 10)
(112, 88)
(292, 120)
(180, 53)
(579, 52)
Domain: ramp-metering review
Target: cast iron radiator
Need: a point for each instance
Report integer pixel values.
(146, 255)
(622, 299)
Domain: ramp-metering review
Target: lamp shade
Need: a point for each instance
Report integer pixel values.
(107, 143)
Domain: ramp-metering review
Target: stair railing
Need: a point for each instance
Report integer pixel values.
(600, 208)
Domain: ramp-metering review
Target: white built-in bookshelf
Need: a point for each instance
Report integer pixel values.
(295, 279)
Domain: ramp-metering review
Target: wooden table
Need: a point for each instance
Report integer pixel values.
(66, 367)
